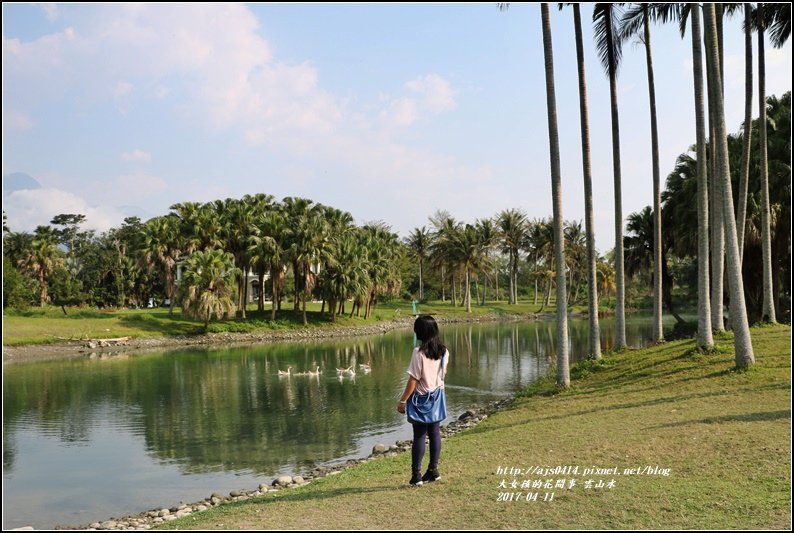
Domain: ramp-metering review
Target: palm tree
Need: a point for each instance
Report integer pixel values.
(605, 17)
(742, 341)
(445, 227)
(741, 217)
(467, 248)
(563, 372)
(419, 242)
(639, 15)
(768, 310)
(704, 335)
(162, 247)
(487, 235)
(41, 258)
(208, 285)
(594, 345)
(513, 230)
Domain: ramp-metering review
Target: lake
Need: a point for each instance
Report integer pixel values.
(90, 438)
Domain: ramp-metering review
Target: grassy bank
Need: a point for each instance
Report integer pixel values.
(50, 325)
(723, 434)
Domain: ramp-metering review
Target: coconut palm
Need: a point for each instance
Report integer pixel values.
(442, 257)
(513, 231)
(488, 237)
(467, 248)
(605, 18)
(742, 341)
(418, 243)
(207, 285)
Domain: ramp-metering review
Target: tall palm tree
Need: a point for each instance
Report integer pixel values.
(466, 246)
(513, 230)
(41, 258)
(741, 217)
(768, 309)
(594, 344)
(563, 371)
(636, 17)
(487, 235)
(742, 341)
(208, 285)
(704, 335)
(717, 238)
(605, 17)
(419, 242)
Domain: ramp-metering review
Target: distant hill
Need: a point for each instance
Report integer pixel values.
(19, 181)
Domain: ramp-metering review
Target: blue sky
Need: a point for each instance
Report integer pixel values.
(389, 111)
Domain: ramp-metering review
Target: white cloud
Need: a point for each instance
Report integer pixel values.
(429, 95)
(437, 95)
(137, 156)
(401, 112)
(27, 209)
(51, 10)
(16, 121)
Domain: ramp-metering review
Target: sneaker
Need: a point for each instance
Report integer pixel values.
(416, 481)
(431, 475)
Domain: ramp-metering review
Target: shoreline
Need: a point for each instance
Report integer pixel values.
(145, 520)
(45, 352)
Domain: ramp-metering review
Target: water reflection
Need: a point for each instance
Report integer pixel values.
(149, 429)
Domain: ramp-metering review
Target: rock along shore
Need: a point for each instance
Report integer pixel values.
(84, 348)
(147, 519)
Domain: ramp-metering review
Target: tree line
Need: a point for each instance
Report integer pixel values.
(744, 238)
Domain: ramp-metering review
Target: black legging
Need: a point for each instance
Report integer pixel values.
(418, 448)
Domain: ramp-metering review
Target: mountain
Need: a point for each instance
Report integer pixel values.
(19, 181)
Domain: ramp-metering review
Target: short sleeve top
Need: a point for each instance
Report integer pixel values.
(426, 371)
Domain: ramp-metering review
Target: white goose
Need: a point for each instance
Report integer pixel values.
(287, 373)
(349, 371)
(316, 373)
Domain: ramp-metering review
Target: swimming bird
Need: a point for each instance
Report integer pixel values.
(350, 372)
(315, 373)
(287, 373)
(340, 371)
(366, 368)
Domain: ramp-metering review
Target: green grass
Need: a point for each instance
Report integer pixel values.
(723, 434)
(50, 325)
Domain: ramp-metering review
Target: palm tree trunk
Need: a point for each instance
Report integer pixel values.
(742, 341)
(443, 294)
(421, 283)
(275, 297)
(768, 309)
(468, 292)
(510, 278)
(658, 332)
(563, 371)
(704, 335)
(744, 179)
(620, 278)
(717, 240)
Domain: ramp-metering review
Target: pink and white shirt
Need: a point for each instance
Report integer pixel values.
(425, 371)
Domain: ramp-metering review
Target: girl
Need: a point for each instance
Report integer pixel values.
(425, 375)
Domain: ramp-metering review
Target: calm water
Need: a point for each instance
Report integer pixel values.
(87, 439)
